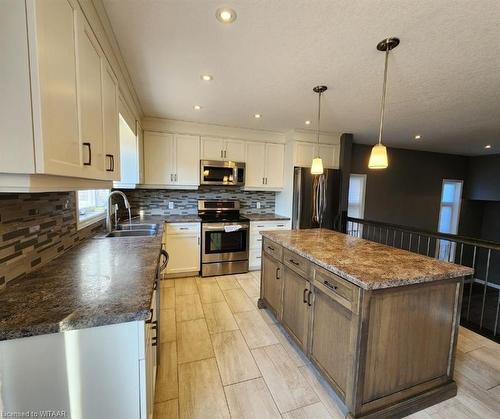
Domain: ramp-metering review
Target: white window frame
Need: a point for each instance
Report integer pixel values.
(91, 220)
(455, 219)
(361, 204)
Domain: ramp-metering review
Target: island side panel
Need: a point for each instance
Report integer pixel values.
(409, 344)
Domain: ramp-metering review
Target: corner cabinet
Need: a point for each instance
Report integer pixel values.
(171, 160)
(264, 166)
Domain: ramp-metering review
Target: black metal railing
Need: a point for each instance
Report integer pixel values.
(481, 298)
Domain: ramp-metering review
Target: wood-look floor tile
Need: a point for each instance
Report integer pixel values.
(166, 380)
(313, 411)
(469, 340)
(210, 292)
(325, 393)
(256, 274)
(167, 325)
(193, 341)
(287, 385)
(188, 307)
(201, 395)
(250, 285)
(268, 316)
(219, 317)
(238, 301)
(205, 280)
(423, 414)
(472, 395)
(234, 359)
(167, 298)
(167, 283)
(454, 409)
(482, 366)
(255, 330)
(167, 410)
(185, 286)
(251, 400)
(293, 351)
(227, 282)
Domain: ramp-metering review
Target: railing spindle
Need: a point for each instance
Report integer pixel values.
(472, 283)
(485, 288)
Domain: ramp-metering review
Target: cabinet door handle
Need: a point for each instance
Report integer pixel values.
(295, 263)
(154, 341)
(330, 286)
(176, 177)
(309, 299)
(259, 240)
(221, 154)
(89, 163)
(277, 273)
(270, 248)
(266, 180)
(225, 153)
(304, 299)
(113, 161)
(110, 156)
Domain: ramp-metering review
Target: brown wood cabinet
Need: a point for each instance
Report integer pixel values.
(296, 306)
(386, 352)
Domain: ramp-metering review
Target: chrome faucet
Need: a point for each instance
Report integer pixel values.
(109, 223)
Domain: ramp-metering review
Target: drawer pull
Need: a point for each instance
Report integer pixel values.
(304, 299)
(260, 226)
(295, 263)
(330, 286)
(259, 240)
(309, 299)
(278, 273)
(184, 228)
(281, 225)
(271, 248)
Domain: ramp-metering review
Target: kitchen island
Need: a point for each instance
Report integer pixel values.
(380, 323)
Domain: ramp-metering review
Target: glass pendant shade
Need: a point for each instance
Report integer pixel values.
(378, 157)
(317, 166)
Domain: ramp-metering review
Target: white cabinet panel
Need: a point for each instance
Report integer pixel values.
(182, 242)
(329, 155)
(159, 162)
(234, 150)
(255, 165)
(188, 160)
(111, 135)
(304, 154)
(212, 148)
(275, 157)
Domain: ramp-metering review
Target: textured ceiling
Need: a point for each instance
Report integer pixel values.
(444, 78)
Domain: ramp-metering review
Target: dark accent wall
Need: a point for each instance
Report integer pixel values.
(408, 192)
(483, 178)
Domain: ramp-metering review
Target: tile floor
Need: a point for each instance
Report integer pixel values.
(221, 357)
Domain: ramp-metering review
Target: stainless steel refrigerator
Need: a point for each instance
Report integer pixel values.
(316, 199)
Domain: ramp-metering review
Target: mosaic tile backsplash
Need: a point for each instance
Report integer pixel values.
(34, 229)
(155, 201)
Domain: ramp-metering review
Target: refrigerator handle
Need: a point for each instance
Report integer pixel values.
(297, 210)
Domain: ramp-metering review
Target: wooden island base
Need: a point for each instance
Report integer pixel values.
(387, 352)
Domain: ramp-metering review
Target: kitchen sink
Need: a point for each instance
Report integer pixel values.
(133, 233)
(127, 227)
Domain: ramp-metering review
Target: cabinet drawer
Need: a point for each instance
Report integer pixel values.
(255, 241)
(273, 249)
(338, 288)
(297, 263)
(257, 226)
(182, 228)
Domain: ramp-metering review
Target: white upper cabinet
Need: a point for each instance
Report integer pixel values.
(265, 165)
(305, 152)
(171, 159)
(222, 149)
(111, 136)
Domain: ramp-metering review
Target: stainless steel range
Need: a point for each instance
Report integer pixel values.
(224, 238)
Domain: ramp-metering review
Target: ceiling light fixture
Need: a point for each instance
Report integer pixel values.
(378, 156)
(487, 146)
(257, 116)
(308, 122)
(225, 15)
(418, 137)
(206, 77)
(196, 107)
(317, 163)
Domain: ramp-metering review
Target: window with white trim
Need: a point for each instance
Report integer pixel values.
(449, 215)
(356, 203)
(92, 205)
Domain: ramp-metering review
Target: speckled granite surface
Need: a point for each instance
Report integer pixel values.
(365, 263)
(101, 281)
(265, 217)
(181, 218)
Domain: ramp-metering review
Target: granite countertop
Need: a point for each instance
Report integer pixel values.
(99, 282)
(368, 264)
(265, 217)
(189, 218)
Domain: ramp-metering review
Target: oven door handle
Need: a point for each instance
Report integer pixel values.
(220, 227)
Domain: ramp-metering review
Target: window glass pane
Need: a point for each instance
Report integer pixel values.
(449, 192)
(356, 196)
(354, 190)
(445, 219)
(92, 203)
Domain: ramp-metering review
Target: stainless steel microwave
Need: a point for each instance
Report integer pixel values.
(227, 173)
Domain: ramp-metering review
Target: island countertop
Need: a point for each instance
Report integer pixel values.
(98, 282)
(367, 264)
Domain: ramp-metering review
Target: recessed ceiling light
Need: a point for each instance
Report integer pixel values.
(488, 146)
(308, 122)
(225, 15)
(206, 77)
(257, 115)
(418, 137)
(196, 107)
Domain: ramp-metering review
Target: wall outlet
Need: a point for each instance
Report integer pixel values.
(170, 205)
(258, 205)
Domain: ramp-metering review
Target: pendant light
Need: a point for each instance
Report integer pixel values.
(378, 156)
(317, 163)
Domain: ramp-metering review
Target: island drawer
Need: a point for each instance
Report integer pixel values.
(297, 263)
(273, 249)
(338, 288)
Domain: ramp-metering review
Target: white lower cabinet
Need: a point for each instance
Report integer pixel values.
(255, 256)
(105, 372)
(182, 242)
